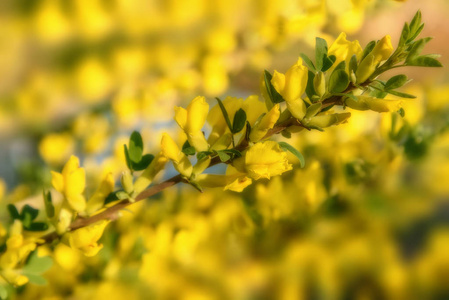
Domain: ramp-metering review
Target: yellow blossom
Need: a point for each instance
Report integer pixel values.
(372, 103)
(71, 183)
(104, 189)
(381, 52)
(265, 124)
(343, 50)
(171, 151)
(292, 86)
(263, 160)
(18, 248)
(327, 120)
(192, 121)
(145, 179)
(86, 238)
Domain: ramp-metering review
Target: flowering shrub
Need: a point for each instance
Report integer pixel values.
(242, 135)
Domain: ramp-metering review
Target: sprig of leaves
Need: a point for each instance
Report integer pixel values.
(135, 160)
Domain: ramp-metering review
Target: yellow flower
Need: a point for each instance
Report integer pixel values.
(17, 249)
(171, 151)
(71, 183)
(383, 49)
(344, 50)
(217, 121)
(327, 120)
(263, 160)
(381, 52)
(372, 103)
(105, 188)
(233, 182)
(192, 121)
(85, 239)
(145, 179)
(292, 86)
(265, 124)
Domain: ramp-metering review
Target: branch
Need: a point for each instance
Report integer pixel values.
(112, 213)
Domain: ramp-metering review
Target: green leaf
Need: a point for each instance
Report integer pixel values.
(187, 149)
(401, 112)
(415, 34)
(417, 48)
(272, 93)
(315, 127)
(233, 152)
(36, 264)
(404, 35)
(28, 215)
(286, 134)
(369, 47)
(12, 209)
(310, 90)
(225, 113)
(341, 66)
(328, 62)
(424, 61)
(49, 208)
(308, 62)
(416, 22)
(239, 121)
(320, 53)
(128, 160)
(338, 81)
(224, 157)
(203, 154)
(36, 279)
(135, 147)
(377, 90)
(399, 94)
(248, 131)
(144, 162)
(396, 82)
(287, 147)
(353, 64)
(313, 109)
(37, 226)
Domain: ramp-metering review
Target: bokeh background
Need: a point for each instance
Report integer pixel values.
(367, 218)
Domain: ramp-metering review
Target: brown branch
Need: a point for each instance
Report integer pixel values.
(112, 213)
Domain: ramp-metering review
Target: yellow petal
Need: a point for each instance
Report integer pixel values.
(169, 148)
(239, 184)
(278, 81)
(181, 117)
(72, 164)
(75, 182)
(57, 181)
(77, 202)
(198, 141)
(383, 49)
(196, 114)
(266, 159)
(267, 122)
(295, 82)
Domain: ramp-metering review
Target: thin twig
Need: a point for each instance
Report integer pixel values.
(112, 213)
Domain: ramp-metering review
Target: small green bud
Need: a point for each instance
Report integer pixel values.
(319, 83)
(127, 182)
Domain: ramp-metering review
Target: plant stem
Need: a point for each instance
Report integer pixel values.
(112, 213)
